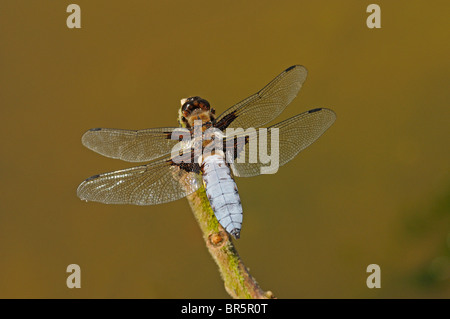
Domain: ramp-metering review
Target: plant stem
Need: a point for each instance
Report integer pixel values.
(237, 279)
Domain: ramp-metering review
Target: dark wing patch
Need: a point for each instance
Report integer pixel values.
(314, 110)
(226, 121)
(186, 162)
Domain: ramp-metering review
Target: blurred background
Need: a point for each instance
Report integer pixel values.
(374, 189)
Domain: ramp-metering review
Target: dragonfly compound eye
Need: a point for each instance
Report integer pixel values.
(193, 103)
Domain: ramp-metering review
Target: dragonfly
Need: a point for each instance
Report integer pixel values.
(170, 175)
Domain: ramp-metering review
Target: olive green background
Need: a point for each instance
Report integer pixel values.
(375, 188)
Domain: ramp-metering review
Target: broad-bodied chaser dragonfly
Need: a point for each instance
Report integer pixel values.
(171, 175)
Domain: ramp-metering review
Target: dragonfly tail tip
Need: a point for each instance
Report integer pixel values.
(236, 233)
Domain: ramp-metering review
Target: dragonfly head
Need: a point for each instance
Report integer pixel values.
(194, 108)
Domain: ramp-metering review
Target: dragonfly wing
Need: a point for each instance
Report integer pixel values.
(132, 145)
(267, 104)
(295, 134)
(155, 183)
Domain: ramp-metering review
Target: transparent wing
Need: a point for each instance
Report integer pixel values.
(155, 183)
(267, 104)
(295, 134)
(131, 145)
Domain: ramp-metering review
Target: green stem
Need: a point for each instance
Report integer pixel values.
(237, 279)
